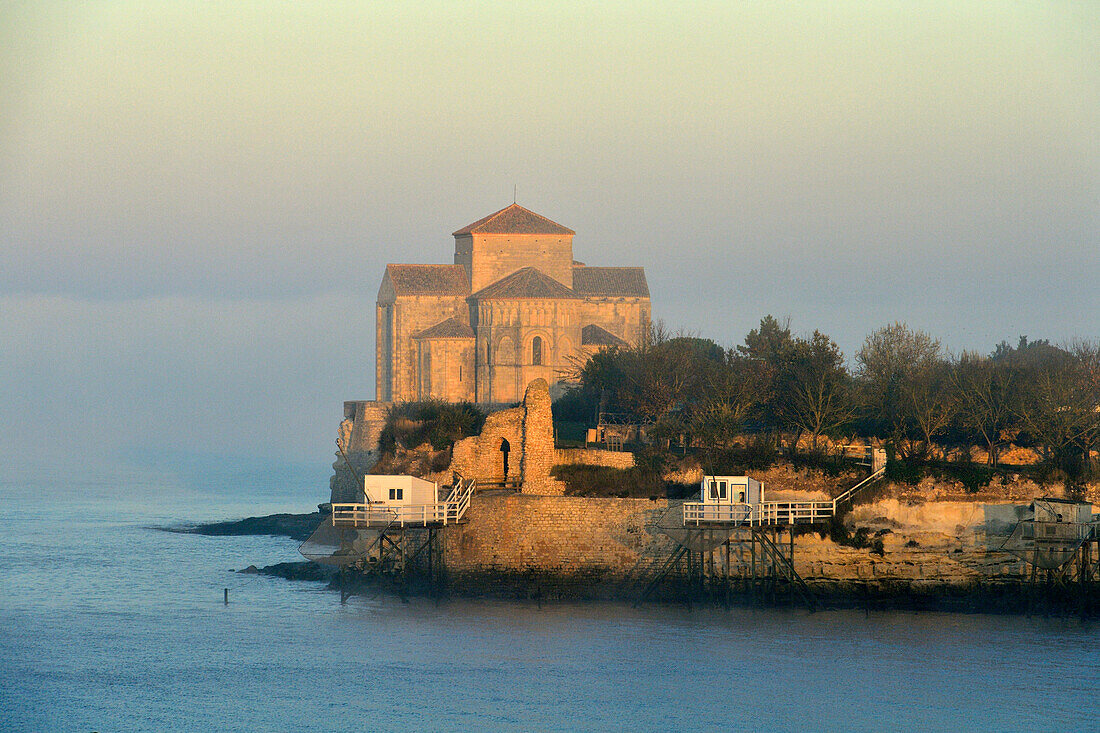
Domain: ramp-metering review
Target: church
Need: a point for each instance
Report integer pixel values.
(515, 306)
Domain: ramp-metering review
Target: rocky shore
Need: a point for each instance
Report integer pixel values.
(295, 526)
(920, 555)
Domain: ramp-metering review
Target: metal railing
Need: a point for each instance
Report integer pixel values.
(765, 513)
(847, 495)
(446, 512)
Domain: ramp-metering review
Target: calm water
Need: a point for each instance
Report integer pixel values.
(109, 624)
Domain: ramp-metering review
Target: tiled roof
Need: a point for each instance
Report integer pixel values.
(514, 219)
(620, 281)
(593, 335)
(428, 279)
(452, 328)
(526, 283)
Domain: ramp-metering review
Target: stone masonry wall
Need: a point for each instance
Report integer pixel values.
(552, 534)
(593, 457)
(538, 441)
(603, 539)
(479, 456)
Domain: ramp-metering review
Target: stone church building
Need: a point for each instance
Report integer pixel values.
(514, 307)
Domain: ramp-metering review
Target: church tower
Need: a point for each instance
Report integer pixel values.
(513, 238)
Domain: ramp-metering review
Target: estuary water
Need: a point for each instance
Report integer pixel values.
(110, 624)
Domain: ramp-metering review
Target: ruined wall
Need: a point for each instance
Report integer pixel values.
(593, 457)
(479, 456)
(538, 441)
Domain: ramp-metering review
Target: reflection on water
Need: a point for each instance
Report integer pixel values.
(108, 624)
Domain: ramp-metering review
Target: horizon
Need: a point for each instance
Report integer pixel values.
(198, 202)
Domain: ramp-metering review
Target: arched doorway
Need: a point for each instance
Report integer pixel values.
(504, 448)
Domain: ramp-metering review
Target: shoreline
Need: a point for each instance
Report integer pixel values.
(994, 596)
(989, 598)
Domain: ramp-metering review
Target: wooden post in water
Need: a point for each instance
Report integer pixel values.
(226, 597)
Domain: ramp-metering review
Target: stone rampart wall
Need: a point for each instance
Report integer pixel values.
(521, 533)
(604, 539)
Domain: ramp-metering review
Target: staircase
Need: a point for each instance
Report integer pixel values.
(847, 495)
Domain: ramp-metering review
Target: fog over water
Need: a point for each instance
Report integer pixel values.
(197, 201)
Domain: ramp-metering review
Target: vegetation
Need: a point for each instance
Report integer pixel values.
(781, 393)
(440, 424)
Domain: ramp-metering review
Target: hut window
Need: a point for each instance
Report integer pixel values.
(397, 494)
(536, 351)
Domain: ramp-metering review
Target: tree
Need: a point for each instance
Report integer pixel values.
(1060, 406)
(904, 386)
(733, 390)
(986, 391)
(813, 387)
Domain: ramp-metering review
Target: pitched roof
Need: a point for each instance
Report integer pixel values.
(526, 283)
(608, 281)
(514, 219)
(452, 328)
(593, 335)
(428, 279)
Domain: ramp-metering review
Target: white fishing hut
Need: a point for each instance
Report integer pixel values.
(731, 490)
(395, 491)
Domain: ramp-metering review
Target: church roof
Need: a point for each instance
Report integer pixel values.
(593, 335)
(526, 283)
(428, 279)
(452, 328)
(514, 219)
(611, 281)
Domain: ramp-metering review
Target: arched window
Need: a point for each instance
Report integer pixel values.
(536, 351)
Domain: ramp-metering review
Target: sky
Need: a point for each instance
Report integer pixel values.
(197, 200)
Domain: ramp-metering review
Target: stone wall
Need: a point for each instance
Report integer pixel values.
(593, 457)
(557, 539)
(538, 441)
(357, 437)
(396, 350)
(480, 457)
(490, 257)
(552, 534)
(446, 369)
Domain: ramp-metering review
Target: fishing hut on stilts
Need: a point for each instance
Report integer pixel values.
(396, 532)
(1056, 539)
(734, 540)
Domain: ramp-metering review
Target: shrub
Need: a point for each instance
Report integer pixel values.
(439, 423)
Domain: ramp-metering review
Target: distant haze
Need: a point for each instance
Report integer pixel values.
(197, 200)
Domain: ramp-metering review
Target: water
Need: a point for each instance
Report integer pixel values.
(108, 624)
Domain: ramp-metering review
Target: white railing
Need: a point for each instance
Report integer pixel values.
(870, 479)
(765, 513)
(418, 515)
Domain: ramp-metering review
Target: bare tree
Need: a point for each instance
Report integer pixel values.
(901, 374)
(986, 391)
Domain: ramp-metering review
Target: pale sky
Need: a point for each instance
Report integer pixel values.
(197, 200)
